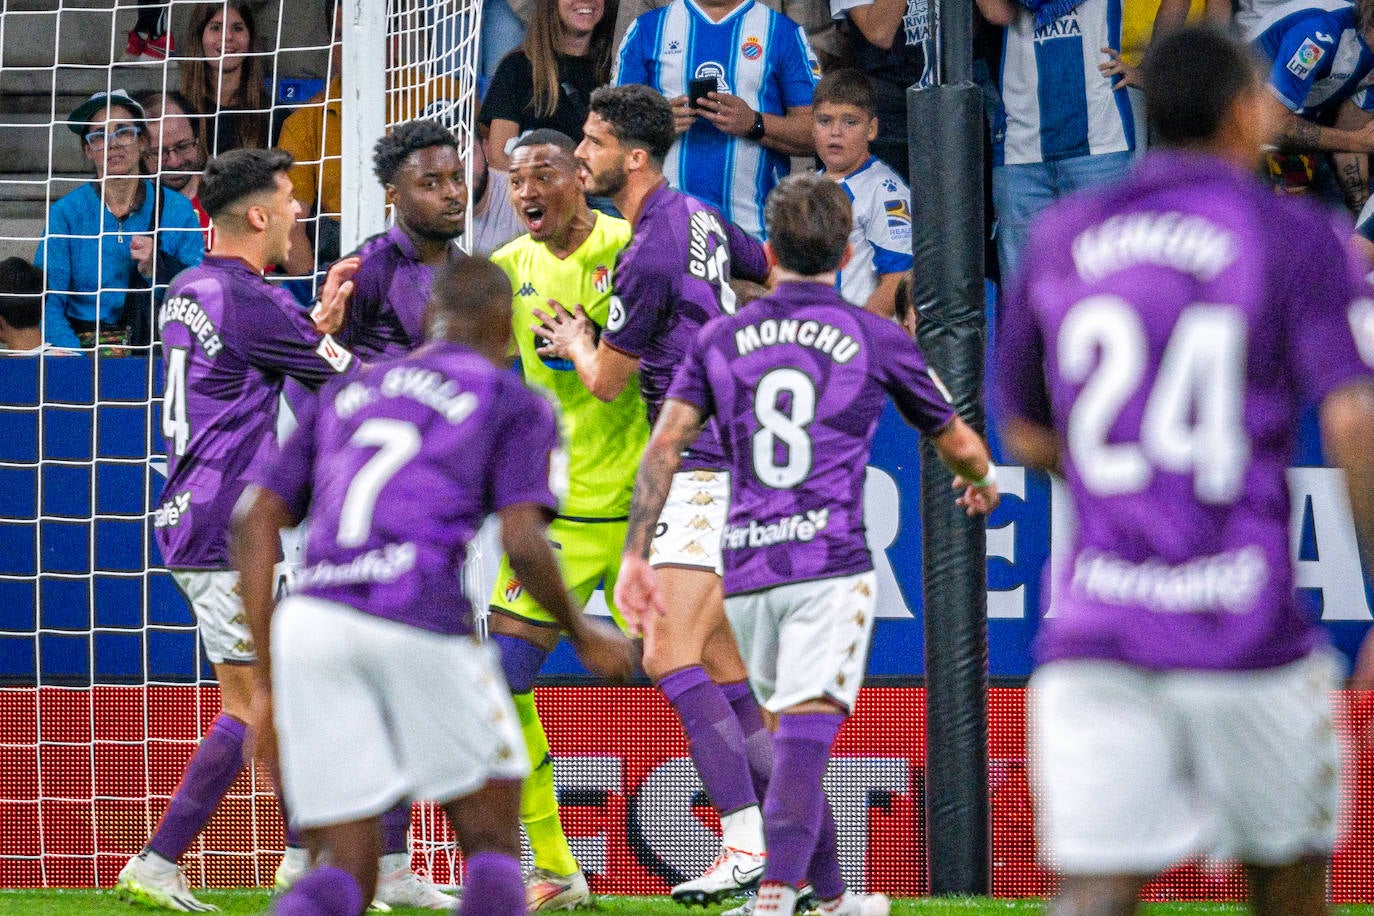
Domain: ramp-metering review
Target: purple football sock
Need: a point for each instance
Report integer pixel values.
(492, 886)
(758, 744)
(824, 868)
(208, 776)
(520, 660)
(793, 808)
(326, 891)
(714, 736)
(396, 829)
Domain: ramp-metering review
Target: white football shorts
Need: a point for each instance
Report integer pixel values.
(214, 597)
(806, 640)
(692, 521)
(1134, 770)
(371, 711)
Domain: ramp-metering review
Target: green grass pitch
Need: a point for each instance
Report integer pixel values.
(103, 903)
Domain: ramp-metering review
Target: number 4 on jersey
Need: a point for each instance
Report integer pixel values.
(1193, 415)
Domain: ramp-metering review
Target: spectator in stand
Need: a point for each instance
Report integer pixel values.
(734, 140)
(313, 134)
(812, 15)
(110, 246)
(548, 81)
(1320, 64)
(893, 42)
(175, 154)
(494, 222)
(223, 78)
(880, 240)
(21, 310)
(1062, 127)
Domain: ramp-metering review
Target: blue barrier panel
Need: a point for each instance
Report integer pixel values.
(77, 477)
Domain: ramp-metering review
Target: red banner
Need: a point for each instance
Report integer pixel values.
(86, 773)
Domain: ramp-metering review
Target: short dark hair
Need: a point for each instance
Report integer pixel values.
(546, 136)
(21, 293)
(154, 98)
(808, 218)
(392, 151)
(847, 86)
(466, 289)
(241, 173)
(637, 116)
(1192, 77)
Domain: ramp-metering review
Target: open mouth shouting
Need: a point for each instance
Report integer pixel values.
(534, 217)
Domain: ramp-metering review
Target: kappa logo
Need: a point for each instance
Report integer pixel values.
(1305, 59)
(601, 279)
(700, 523)
(526, 289)
(702, 499)
(752, 49)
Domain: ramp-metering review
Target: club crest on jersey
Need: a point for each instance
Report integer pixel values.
(601, 279)
(1308, 55)
(752, 49)
(513, 589)
(711, 69)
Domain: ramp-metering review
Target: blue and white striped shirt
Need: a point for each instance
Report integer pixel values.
(755, 53)
(1058, 105)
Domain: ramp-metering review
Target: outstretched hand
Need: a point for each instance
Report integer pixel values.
(1114, 67)
(976, 500)
(328, 314)
(638, 592)
(562, 330)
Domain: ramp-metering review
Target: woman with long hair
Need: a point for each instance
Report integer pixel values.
(222, 76)
(548, 81)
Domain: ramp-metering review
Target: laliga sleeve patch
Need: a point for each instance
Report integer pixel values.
(1361, 317)
(1305, 59)
(333, 353)
(616, 315)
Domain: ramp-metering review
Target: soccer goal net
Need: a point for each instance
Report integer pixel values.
(104, 694)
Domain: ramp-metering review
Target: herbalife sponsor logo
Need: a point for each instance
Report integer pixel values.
(789, 528)
(382, 564)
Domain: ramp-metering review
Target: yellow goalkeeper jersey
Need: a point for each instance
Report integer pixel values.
(604, 441)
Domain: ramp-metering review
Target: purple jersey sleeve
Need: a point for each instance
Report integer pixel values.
(747, 260)
(529, 466)
(640, 303)
(906, 378)
(280, 338)
(1332, 319)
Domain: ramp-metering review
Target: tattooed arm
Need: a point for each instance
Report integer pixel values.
(1295, 133)
(637, 588)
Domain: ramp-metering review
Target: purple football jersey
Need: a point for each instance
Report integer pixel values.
(229, 338)
(398, 467)
(1169, 328)
(385, 316)
(796, 382)
(673, 279)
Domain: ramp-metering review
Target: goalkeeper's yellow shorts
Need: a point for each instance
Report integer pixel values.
(588, 555)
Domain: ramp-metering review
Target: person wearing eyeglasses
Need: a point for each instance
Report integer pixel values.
(174, 154)
(110, 246)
